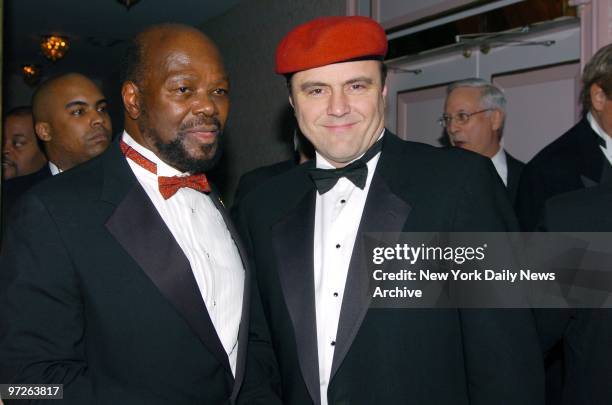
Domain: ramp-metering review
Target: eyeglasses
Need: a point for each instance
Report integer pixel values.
(461, 118)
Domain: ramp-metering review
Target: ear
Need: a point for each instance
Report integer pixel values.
(130, 93)
(497, 118)
(291, 102)
(598, 97)
(385, 90)
(43, 131)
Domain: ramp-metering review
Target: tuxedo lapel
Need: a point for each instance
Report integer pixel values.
(384, 213)
(293, 243)
(139, 229)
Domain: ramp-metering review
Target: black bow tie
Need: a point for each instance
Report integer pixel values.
(356, 172)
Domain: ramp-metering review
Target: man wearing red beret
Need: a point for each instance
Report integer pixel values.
(314, 337)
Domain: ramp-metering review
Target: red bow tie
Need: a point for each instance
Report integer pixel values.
(168, 186)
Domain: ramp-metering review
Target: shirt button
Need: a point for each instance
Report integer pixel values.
(333, 343)
(338, 246)
(342, 201)
(335, 294)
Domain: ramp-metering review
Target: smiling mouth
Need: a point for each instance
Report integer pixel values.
(339, 127)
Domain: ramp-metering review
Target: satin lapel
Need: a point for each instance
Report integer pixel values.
(244, 320)
(137, 226)
(293, 242)
(384, 212)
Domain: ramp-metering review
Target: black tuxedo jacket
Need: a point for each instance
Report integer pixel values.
(12, 189)
(383, 356)
(585, 334)
(97, 295)
(515, 167)
(571, 162)
(256, 177)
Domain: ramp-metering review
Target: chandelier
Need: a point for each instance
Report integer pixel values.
(31, 74)
(54, 47)
(128, 3)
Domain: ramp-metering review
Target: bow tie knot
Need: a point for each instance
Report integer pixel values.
(356, 172)
(168, 186)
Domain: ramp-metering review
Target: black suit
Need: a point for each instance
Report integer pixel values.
(13, 189)
(515, 167)
(97, 295)
(586, 334)
(383, 356)
(571, 162)
(256, 177)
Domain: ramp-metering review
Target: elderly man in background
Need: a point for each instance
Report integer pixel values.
(474, 117)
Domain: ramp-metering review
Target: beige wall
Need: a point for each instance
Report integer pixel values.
(259, 126)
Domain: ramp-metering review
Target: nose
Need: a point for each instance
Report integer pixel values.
(6, 149)
(205, 105)
(453, 127)
(98, 118)
(338, 104)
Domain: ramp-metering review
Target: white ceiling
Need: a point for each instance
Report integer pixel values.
(97, 29)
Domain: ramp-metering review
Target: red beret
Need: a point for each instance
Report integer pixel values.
(330, 40)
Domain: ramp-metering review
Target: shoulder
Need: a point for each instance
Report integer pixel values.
(580, 210)
(565, 147)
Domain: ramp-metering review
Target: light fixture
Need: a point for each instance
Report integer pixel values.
(128, 3)
(54, 47)
(31, 74)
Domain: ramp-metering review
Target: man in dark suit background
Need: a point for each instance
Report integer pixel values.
(584, 334)
(122, 278)
(474, 118)
(21, 153)
(314, 338)
(579, 158)
(72, 124)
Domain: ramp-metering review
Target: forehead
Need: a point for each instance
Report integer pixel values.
(75, 88)
(19, 124)
(463, 98)
(183, 53)
(338, 73)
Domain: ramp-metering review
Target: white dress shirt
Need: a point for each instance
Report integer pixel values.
(337, 217)
(607, 150)
(501, 165)
(54, 169)
(200, 231)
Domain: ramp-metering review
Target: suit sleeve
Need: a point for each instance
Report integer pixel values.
(502, 356)
(262, 382)
(41, 338)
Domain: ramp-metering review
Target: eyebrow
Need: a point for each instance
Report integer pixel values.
(83, 103)
(365, 79)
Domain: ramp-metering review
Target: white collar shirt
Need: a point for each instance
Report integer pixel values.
(337, 217)
(607, 141)
(54, 169)
(501, 165)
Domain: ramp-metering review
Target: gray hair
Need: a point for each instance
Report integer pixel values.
(491, 96)
(597, 71)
